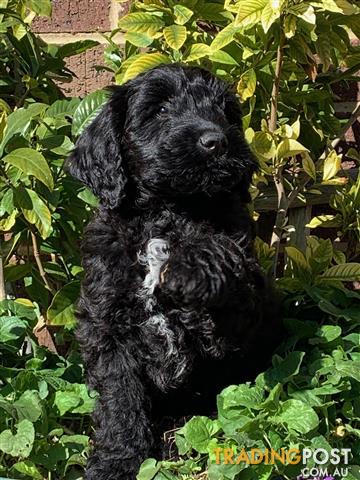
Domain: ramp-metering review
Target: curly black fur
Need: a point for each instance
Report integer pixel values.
(173, 306)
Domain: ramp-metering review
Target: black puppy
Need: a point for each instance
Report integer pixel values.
(173, 306)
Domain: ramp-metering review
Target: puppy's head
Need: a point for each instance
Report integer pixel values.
(171, 132)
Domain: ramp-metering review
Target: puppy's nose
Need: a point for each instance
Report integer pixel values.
(214, 143)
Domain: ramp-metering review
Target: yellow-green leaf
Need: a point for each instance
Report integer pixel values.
(263, 145)
(31, 162)
(198, 50)
(182, 14)
(345, 272)
(7, 223)
(290, 26)
(144, 62)
(332, 165)
(175, 36)
(325, 221)
(224, 37)
(141, 22)
(296, 129)
(247, 84)
(138, 39)
(289, 148)
(346, 7)
(304, 11)
(329, 5)
(250, 11)
(269, 15)
(222, 57)
(309, 166)
(34, 210)
(297, 257)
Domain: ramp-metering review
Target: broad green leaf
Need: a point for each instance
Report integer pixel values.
(145, 62)
(263, 144)
(87, 110)
(332, 165)
(349, 369)
(296, 129)
(6, 223)
(247, 84)
(329, 5)
(309, 165)
(31, 162)
(297, 416)
(141, 22)
(20, 444)
(326, 334)
(198, 50)
(290, 148)
(175, 36)
(34, 210)
(141, 40)
(224, 37)
(66, 401)
(28, 406)
(182, 14)
(19, 121)
(41, 7)
(28, 469)
(297, 257)
(323, 48)
(325, 221)
(74, 399)
(346, 272)
(346, 7)
(242, 396)
(148, 469)
(285, 369)
(61, 310)
(222, 57)
(250, 11)
(198, 432)
(290, 24)
(75, 48)
(63, 108)
(11, 328)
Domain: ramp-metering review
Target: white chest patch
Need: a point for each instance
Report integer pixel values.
(154, 257)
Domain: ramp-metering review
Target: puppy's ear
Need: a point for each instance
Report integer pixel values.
(97, 158)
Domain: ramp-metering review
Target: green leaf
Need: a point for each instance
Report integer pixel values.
(250, 11)
(28, 469)
(28, 406)
(141, 40)
(289, 148)
(31, 162)
(304, 11)
(175, 36)
(19, 121)
(224, 37)
(290, 24)
(41, 7)
(332, 165)
(349, 368)
(20, 444)
(198, 432)
(243, 396)
(198, 50)
(34, 210)
(11, 328)
(66, 401)
(182, 14)
(61, 310)
(323, 48)
(7, 223)
(297, 257)
(297, 416)
(222, 57)
(326, 334)
(247, 84)
(145, 62)
(75, 48)
(329, 5)
(141, 22)
(325, 221)
(148, 469)
(63, 108)
(87, 110)
(285, 369)
(346, 272)
(309, 166)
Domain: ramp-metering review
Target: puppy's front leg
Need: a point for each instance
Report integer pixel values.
(123, 437)
(204, 270)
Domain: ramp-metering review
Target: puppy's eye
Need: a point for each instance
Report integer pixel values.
(163, 109)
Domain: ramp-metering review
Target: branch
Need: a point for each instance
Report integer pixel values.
(39, 262)
(2, 279)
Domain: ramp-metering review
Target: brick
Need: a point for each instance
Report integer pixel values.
(76, 16)
(87, 77)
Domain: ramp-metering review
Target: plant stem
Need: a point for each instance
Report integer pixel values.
(277, 175)
(2, 279)
(39, 262)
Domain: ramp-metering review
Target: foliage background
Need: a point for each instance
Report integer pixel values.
(283, 57)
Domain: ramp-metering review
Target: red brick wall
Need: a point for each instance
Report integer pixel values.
(74, 20)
